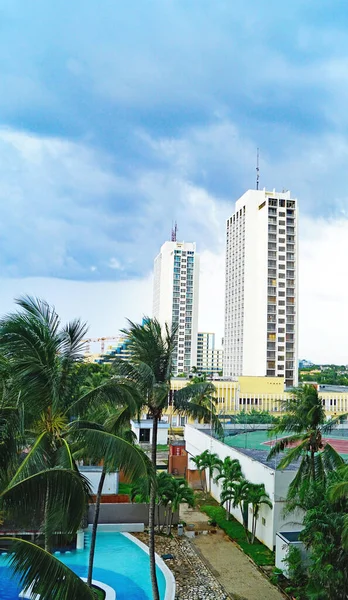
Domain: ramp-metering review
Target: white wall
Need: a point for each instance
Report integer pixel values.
(162, 431)
(93, 476)
(276, 485)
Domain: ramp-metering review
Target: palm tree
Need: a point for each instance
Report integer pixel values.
(339, 492)
(240, 497)
(229, 470)
(24, 499)
(305, 421)
(116, 452)
(42, 357)
(200, 463)
(257, 496)
(180, 493)
(149, 368)
(165, 492)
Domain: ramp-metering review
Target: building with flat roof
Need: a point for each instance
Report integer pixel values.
(261, 287)
(175, 298)
(209, 358)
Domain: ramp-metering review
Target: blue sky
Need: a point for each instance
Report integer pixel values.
(118, 118)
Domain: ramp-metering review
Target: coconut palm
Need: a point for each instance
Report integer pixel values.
(42, 356)
(108, 440)
(149, 368)
(305, 424)
(212, 462)
(229, 471)
(257, 496)
(25, 500)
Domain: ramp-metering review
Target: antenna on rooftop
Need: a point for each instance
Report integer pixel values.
(174, 232)
(257, 168)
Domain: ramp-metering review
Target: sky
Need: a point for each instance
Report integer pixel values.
(116, 119)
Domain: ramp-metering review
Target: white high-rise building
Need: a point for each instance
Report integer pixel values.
(261, 287)
(209, 358)
(175, 298)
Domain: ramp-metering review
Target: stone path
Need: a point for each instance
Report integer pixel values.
(240, 578)
(232, 568)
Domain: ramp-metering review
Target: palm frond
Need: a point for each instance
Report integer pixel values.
(115, 452)
(61, 493)
(284, 443)
(37, 459)
(331, 459)
(113, 392)
(40, 310)
(293, 454)
(45, 575)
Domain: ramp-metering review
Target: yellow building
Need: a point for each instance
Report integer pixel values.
(259, 393)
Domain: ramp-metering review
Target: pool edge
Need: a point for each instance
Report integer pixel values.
(168, 575)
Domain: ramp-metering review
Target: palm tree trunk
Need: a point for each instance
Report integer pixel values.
(171, 520)
(47, 538)
(95, 526)
(152, 504)
(158, 517)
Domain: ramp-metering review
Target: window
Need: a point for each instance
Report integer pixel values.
(263, 521)
(144, 435)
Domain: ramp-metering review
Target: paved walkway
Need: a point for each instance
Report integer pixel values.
(232, 568)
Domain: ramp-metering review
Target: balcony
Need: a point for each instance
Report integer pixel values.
(271, 300)
(272, 291)
(272, 264)
(271, 326)
(270, 364)
(289, 346)
(270, 345)
(271, 310)
(270, 373)
(271, 354)
(271, 318)
(272, 272)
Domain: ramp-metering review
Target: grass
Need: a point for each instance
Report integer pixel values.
(259, 553)
(124, 488)
(162, 447)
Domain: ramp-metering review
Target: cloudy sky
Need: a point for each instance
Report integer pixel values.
(117, 118)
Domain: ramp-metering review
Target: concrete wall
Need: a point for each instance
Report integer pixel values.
(282, 549)
(127, 513)
(276, 485)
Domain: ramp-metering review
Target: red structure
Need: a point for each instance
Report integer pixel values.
(177, 458)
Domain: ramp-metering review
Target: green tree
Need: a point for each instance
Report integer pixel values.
(42, 356)
(149, 369)
(338, 492)
(24, 499)
(180, 493)
(305, 423)
(240, 497)
(322, 535)
(257, 496)
(229, 471)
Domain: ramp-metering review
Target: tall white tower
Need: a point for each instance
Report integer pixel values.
(261, 287)
(175, 298)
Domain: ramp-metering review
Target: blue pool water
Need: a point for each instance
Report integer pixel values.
(118, 562)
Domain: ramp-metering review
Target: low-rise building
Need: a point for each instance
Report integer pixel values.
(257, 469)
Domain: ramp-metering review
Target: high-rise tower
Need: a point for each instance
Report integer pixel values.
(261, 287)
(175, 298)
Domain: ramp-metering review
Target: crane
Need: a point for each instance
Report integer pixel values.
(102, 341)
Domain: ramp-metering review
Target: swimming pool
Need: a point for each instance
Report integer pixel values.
(119, 562)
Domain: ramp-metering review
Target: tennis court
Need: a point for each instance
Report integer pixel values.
(259, 440)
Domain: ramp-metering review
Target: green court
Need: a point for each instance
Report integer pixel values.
(261, 440)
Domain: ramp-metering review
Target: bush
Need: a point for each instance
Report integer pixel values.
(260, 554)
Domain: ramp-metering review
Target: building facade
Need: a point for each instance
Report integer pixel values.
(209, 358)
(261, 287)
(175, 298)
